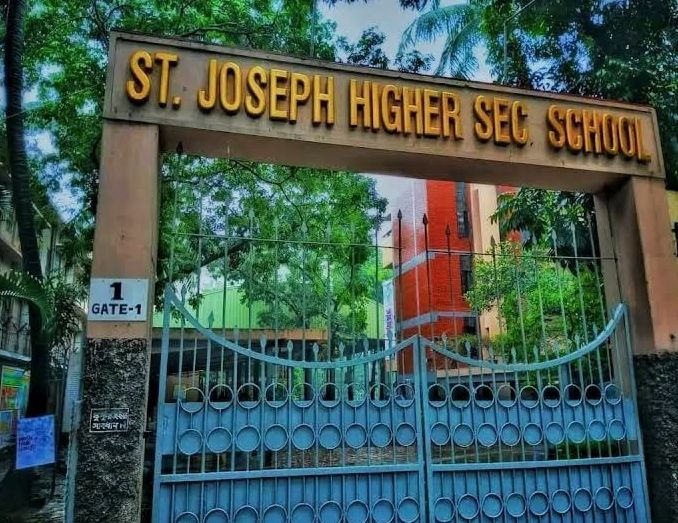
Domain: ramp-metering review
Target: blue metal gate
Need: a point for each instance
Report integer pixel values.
(420, 430)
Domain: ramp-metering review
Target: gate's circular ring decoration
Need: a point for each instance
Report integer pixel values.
(561, 501)
(573, 395)
(329, 403)
(381, 435)
(353, 390)
(624, 497)
(440, 434)
(604, 498)
(219, 439)
(539, 503)
(468, 507)
(302, 513)
(616, 429)
(329, 436)
(383, 511)
(516, 505)
(247, 439)
(405, 434)
(408, 510)
(307, 393)
(593, 394)
(532, 434)
(529, 397)
(479, 400)
(576, 432)
(486, 435)
(506, 395)
(463, 435)
(613, 394)
(596, 430)
(355, 435)
(276, 395)
(403, 395)
(383, 390)
(276, 437)
(444, 510)
(216, 515)
(510, 434)
(550, 396)
(460, 391)
(303, 436)
(555, 433)
(190, 442)
(186, 517)
(248, 396)
(275, 514)
(583, 501)
(246, 514)
(330, 512)
(357, 512)
(215, 392)
(492, 505)
(191, 406)
(437, 395)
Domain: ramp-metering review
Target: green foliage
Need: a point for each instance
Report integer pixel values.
(543, 307)
(17, 285)
(66, 59)
(559, 220)
(367, 51)
(289, 233)
(55, 298)
(616, 50)
(459, 25)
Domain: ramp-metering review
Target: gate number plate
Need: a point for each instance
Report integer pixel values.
(112, 299)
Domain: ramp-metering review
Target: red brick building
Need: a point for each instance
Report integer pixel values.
(436, 228)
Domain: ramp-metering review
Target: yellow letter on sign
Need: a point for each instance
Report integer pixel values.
(139, 89)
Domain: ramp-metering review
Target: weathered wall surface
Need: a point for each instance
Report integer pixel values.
(108, 481)
(657, 385)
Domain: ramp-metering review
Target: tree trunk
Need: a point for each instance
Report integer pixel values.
(23, 198)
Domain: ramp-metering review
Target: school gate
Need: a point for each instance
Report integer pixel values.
(487, 438)
(474, 440)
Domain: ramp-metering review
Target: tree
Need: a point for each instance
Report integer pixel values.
(544, 308)
(23, 199)
(367, 51)
(459, 25)
(616, 50)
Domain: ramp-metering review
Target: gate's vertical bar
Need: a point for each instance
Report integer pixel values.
(424, 455)
(161, 424)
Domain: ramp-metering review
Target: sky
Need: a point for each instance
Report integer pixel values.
(392, 20)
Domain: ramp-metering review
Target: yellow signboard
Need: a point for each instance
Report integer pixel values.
(179, 84)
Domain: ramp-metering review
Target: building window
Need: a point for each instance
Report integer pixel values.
(466, 273)
(463, 225)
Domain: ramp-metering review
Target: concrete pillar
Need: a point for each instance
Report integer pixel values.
(117, 355)
(633, 223)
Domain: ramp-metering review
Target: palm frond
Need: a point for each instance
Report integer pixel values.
(5, 200)
(458, 58)
(432, 24)
(22, 286)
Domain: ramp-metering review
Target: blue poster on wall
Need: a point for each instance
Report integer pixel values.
(35, 442)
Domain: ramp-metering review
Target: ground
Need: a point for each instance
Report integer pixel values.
(39, 505)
